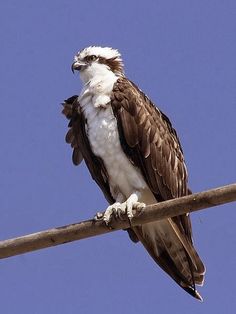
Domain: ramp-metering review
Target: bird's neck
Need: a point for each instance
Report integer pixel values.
(96, 72)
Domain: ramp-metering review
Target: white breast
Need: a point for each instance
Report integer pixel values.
(104, 138)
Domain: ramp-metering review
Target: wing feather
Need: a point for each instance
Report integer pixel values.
(148, 132)
(76, 136)
(152, 145)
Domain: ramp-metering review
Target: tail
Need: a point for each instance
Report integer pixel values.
(174, 252)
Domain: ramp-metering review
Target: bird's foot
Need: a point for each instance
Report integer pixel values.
(119, 210)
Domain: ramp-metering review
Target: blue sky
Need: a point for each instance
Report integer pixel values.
(182, 54)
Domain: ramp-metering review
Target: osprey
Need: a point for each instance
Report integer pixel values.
(134, 155)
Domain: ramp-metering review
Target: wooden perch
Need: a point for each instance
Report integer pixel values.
(90, 228)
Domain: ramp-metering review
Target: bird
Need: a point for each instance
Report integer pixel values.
(134, 155)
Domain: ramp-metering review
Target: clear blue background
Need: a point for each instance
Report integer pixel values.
(182, 54)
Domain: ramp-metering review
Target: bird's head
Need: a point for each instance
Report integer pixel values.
(97, 60)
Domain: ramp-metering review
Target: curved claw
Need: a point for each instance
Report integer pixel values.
(112, 209)
(98, 216)
(119, 210)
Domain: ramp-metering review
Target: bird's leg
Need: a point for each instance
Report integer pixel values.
(119, 209)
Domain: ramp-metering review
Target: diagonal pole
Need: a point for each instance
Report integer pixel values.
(91, 228)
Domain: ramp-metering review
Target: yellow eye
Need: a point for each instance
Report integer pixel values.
(91, 58)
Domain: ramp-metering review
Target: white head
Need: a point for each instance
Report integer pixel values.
(93, 61)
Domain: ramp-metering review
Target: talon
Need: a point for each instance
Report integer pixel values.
(98, 216)
(130, 206)
(106, 220)
(140, 205)
(107, 214)
(122, 211)
(130, 216)
(108, 224)
(130, 221)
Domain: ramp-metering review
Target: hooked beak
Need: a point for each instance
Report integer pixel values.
(77, 66)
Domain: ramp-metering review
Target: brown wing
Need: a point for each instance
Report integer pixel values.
(152, 145)
(77, 138)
